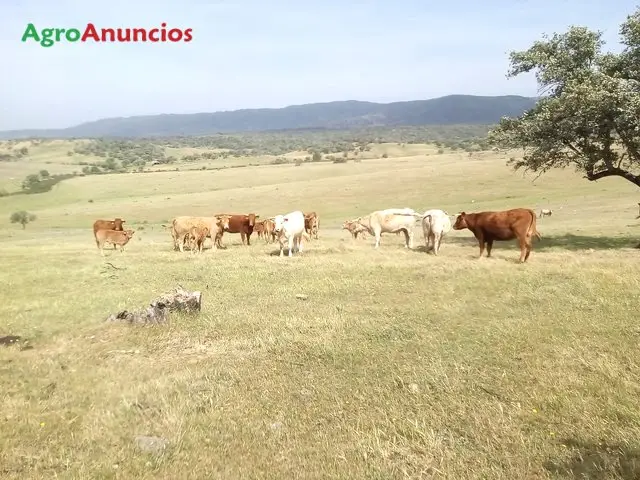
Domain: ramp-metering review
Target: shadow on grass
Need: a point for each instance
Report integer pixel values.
(597, 461)
(567, 242)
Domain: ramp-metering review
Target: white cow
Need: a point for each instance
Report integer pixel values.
(546, 212)
(290, 228)
(391, 220)
(435, 225)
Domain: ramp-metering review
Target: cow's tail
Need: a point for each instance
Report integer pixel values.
(532, 226)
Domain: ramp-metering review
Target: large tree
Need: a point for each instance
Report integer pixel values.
(588, 114)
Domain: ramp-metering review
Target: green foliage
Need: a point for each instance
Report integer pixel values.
(43, 181)
(590, 116)
(22, 217)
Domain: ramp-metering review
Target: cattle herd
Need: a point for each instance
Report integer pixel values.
(289, 229)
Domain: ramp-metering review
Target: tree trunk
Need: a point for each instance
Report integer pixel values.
(158, 311)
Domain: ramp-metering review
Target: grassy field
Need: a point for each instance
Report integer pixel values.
(398, 364)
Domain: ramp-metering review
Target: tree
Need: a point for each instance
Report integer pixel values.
(22, 217)
(589, 114)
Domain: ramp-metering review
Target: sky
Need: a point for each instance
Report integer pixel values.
(259, 54)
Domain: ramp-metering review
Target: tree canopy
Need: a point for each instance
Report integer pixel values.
(588, 115)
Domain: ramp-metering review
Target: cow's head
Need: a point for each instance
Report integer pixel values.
(117, 224)
(223, 221)
(347, 224)
(461, 221)
(129, 233)
(252, 219)
(278, 223)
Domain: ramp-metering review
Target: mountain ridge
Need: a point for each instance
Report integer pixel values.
(334, 115)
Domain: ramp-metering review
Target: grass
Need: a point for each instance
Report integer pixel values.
(398, 364)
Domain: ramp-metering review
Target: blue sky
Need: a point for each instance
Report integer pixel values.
(252, 54)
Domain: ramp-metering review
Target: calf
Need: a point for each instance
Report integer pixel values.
(290, 229)
(197, 237)
(435, 225)
(115, 224)
(354, 229)
(116, 237)
(269, 230)
(312, 224)
(487, 227)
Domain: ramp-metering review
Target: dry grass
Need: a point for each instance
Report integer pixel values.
(398, 365)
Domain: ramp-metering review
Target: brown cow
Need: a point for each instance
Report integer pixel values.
(355, 229)
(115, 224)
(312, 224)
(242, 224)
(116, 237)
(487, 227)
(197, 236)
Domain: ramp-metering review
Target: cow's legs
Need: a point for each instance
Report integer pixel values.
(248, 239)
(300, 246)
(291, 243)
(480, 238)
(525, 249)
(489, 246)
(408, 238)
(378, 234)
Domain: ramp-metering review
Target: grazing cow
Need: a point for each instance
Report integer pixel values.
(115, 224)
(545, 212)
(116, 237)
(354, 229)
(242, 224)
(181, 228)
(391, 220)
(312, 224)
(435, 225)
(197, 237)
(290, 229)
(487, 227)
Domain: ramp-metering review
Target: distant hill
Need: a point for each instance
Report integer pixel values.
(452, 109)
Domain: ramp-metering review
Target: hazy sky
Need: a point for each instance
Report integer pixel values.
(251, 53)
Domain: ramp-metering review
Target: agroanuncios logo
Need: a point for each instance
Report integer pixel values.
(47, 37)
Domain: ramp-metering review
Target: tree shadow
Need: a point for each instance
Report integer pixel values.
(597, 461)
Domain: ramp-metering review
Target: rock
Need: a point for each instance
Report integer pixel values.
(151, 444)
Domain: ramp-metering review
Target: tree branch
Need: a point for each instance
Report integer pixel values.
(613, 172)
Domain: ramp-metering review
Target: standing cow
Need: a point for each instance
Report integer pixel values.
(435, 225)
(391, 220)
(290, 229)
(242, 224)
(181, 228)
(504, 225)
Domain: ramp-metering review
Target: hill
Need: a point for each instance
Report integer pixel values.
(449, 110)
